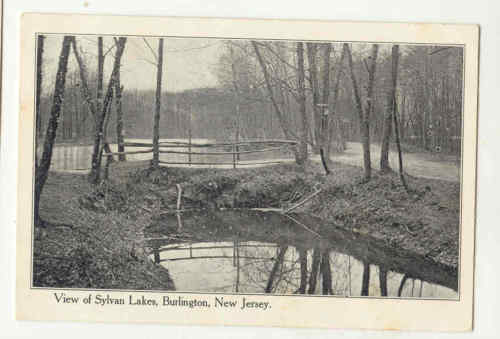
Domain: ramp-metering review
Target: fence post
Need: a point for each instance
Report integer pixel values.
(156, 255)
(234, 155)
(237, 130)
(189, 137)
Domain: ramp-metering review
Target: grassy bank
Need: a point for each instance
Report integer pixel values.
(99, 242)
(80, 247)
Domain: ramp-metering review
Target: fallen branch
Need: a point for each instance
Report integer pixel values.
(302, 202)
(301, 224)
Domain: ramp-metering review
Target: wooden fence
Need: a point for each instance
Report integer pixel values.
(236, 151)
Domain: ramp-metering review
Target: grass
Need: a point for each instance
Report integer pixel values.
(90, 248)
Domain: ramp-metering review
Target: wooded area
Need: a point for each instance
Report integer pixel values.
(320, 95)
(428, 96)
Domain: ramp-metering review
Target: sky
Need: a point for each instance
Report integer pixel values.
(187, 62)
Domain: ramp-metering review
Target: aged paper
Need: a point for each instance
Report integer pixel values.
(161, 238)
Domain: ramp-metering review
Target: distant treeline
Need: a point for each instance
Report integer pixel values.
(210, 110)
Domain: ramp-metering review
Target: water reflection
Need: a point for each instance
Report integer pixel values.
(229, 252)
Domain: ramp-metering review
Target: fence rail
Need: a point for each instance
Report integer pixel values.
(165, 147)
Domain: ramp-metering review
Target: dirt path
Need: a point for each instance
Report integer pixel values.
(415, 164)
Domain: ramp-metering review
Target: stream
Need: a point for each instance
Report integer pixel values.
(251, 251)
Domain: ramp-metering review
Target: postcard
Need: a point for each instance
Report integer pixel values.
(247, 172)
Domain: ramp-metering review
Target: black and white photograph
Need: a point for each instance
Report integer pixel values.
(212, 171)
(247, 166)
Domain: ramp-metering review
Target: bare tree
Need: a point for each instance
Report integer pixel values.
(84, 81)
(94, 175)
(119, 118)
(100, 72)
(302, 158)
(338, 68)
(327, 49)
(39, 75)
(281, 118)
(398, 144)
(42, 170)
(312, 50)
(156, 120)
(391, 96)
(234, 74)
(364, 116)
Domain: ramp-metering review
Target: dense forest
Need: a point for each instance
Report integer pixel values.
(428, 97)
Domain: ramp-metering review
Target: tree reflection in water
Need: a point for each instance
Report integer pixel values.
(251, 267)
(220, 255)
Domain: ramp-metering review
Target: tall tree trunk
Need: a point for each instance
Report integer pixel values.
(94, 175)
(327, 49)
(364, 117)
(42, 170)
(39, 78)
(338, 67)
(106, 147)
(391, 96)
(156, 120)
(100, 73)
(236, 97)
(402, 122)
(119, 118)
(369, 105)
(314, 82)
(84, 83)
(323, 108)
(398, 144)
(303, 154)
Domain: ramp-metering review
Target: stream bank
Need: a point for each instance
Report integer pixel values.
(115, 214)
